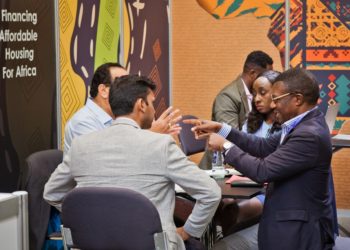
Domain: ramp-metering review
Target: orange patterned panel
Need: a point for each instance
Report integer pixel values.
(324, 28)
(232, 8)
(325, 55)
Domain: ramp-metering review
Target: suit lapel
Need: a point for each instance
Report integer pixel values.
(310, 115)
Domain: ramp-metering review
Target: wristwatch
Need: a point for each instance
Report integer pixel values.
(226, 146)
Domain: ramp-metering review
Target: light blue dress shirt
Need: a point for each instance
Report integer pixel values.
(263, 131)
(292, 123)
(88, 119)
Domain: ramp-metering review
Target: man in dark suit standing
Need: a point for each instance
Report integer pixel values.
(297, 212)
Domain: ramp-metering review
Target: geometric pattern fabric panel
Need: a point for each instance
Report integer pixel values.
(106, 42)
(90, 36)
(327, 52)
(73, 88)
(146, 44)
(319, 40)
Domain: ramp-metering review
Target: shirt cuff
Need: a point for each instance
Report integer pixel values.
(225, 130)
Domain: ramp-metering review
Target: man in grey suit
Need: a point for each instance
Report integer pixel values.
(233, 102)
(126, 155)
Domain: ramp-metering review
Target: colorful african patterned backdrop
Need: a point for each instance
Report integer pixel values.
(319, 40)
(90, 35)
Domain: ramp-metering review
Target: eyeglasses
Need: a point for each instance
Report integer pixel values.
(274, 99)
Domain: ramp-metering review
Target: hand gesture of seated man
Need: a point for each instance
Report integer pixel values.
(128, 155)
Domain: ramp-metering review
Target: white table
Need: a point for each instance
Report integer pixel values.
(340, 141)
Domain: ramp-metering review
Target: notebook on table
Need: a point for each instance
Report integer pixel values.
(246, 183)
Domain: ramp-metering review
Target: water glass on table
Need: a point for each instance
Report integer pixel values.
(218, 169)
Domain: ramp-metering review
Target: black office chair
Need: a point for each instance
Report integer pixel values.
(97, 218)
(189, 144)
(39, 167)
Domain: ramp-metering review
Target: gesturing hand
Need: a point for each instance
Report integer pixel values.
(203, 128)
(167, 123)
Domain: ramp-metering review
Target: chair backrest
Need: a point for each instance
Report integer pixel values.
(110, 218)
(39, 167)
(189, 144)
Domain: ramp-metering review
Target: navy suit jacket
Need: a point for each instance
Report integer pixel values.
(297, 211)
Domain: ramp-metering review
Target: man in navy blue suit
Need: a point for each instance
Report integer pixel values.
(296, 163)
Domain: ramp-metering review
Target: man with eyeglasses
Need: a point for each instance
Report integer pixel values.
(297, 212)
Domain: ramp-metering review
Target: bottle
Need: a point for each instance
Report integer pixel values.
(218, 169)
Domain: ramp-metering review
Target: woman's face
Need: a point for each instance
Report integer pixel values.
(262, 95)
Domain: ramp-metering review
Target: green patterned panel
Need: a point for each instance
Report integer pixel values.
(275, 6)
(220, 2)
(252, 10)
(234, 6)
(108, 32)
(342, 91)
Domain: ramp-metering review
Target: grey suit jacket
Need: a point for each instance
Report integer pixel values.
(124, 155)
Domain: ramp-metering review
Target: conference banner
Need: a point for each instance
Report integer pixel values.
(27, 84)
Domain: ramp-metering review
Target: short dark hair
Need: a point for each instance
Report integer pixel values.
(102, 75)
(298, 80)
(126, 90)
(257, 58)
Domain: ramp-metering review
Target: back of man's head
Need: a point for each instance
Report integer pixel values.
(257, 59)
(301, 81)
(102, 76)
(126, 90)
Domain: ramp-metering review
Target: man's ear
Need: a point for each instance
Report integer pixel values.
(103, 91)
(140, 105)
(299, 99)
(253, 74)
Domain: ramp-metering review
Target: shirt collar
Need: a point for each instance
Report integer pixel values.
(248, 94)
(292, 123)
(126, 121)
(102, 115)
(246, 90)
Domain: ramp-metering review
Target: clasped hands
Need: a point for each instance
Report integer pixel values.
(204, 129)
